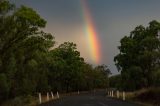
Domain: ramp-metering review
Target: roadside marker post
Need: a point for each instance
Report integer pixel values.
(124, 96)
(57, 95)
(117, 94)
(78, 92)
(47, 96)
(52, 95)
(112, 93)
(40, 99)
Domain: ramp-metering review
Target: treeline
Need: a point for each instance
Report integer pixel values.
(29, 62)
(139, 59)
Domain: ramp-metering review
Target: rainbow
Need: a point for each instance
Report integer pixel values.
(90, 32)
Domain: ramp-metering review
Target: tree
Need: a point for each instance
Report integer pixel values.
(139, 55)
(67, 66)
(115, 81)
(101, 76)
(24, 49)
(29, 63)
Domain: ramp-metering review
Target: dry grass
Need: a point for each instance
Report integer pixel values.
(150, 96)
(146, 97)
(22, 101)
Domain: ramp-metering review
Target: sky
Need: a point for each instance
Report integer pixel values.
(112, 20)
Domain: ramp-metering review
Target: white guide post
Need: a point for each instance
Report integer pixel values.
(57, 95)
(52, 95)
(112, 93)
(47, 96)
(124, 95)
(117, 94)
(40, 99)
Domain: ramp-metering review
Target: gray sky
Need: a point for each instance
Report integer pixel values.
(113, 19)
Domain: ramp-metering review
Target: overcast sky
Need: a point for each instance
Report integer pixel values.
(113, 19)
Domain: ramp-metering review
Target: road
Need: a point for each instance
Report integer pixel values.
(90, 99)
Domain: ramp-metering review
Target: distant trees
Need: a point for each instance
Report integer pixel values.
(115, 81)
(102, 74)
(29, 64)
(139, 57)
(69, 72)
(66, 68)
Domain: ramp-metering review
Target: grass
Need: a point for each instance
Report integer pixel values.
(22, 101)
(34, 100)
(26, 101)
(149, 96)
(145, 97)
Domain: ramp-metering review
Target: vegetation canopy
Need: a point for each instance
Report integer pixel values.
(139, 57)
(29, 64)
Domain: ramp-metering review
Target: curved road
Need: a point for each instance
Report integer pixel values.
(90, 99)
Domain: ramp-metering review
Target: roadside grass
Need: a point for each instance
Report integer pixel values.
(26, 101)
(150, 96)
(34, 100)
(22, 101)
(145, 97)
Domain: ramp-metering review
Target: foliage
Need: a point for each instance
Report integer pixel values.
(29, 62)
(3, 87)
(69, 72)
(101, 73)
(23, 50)
(139, 56)
(115, 81)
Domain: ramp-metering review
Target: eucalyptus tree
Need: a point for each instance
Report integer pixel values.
(139, 56)
(24, 48)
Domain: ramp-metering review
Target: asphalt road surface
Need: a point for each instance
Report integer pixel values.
(89, 99)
